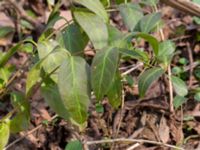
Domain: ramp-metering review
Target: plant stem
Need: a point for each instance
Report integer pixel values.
(170, 90)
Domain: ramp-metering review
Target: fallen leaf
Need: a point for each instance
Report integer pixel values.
(163, 130)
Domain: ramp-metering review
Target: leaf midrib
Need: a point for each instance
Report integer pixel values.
(74, 83)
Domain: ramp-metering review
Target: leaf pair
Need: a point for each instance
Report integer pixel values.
(134, 19)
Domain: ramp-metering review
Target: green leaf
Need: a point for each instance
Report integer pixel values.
(179, 86)
(149, 2)
(53, 18)
(114, 34)
(46, 34)
(149, 22)
(129, 80)
(52, 97)
(94, 26)
(28, 48)
(166, 52)
(33, 77)
(74, 145)
(147, 78)
(177, 70)
(105, 2)
(4, 59)
(117, 38)
(99, 108)
(4, 134)
(104, 67)
(74, 87)
(4, 31)
(196, 19)
(197, 96)
(152, 41)
(183, 61)
(115, 91)
(26, 25)
(120, 1)
(131, 14)
(5, 73)
(197, 72)
(178, 101)
(135, 54)
(73, 39)
(56, 56)
(96, 7)
(21, 121)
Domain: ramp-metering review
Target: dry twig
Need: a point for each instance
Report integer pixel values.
(132, 141)
(185, 6)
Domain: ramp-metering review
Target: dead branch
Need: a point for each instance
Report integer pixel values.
(185, 6)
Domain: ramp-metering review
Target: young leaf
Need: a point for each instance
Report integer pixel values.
(148, 22)
(179, 86)
(131, 14)
(115, 91)
(135, 54)
(73, 39)
(52, 97)
(4, 59)
(166, 51)
(94, 26)
(21, 121)
(5, 31)
(178, 101)
(4, 134)
(104, 66)
(96, 7)
(147, 78)
(74, 87)
(74, 145)
(152, 41)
